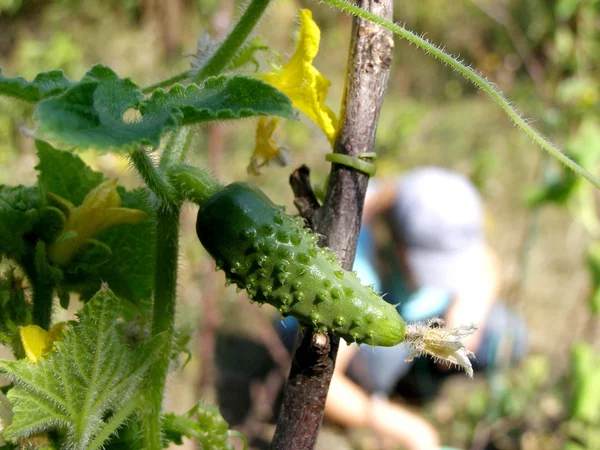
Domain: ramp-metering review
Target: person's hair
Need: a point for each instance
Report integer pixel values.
(382, 253)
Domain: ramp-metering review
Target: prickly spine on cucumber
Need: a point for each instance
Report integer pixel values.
(277, 260)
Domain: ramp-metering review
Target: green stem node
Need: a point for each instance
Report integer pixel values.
(177, 148)
(153, 177)
(193, 184)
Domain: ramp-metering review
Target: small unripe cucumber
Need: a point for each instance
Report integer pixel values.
(277, 260)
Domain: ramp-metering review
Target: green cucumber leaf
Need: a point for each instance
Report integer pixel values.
(87, 386)
(220, 98)
(128, 267)
(106, 112)
(16, 311)
(64, 174)
(90, 114)
(19, 213)
(44, 85)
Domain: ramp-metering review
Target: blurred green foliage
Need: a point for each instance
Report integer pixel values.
(542, 53)
(528, 407)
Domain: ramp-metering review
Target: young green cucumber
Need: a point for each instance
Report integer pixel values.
(277, 260)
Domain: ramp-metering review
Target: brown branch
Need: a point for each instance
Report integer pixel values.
(304, 197)
(338, 221)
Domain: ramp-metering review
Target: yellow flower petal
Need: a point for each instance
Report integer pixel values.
(101, 209)
(266, 150)
(37, 341)
(88, 219)
(302, 82)
(123, 216)
(63, 204)
(56, 331)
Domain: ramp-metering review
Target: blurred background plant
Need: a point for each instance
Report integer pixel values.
(542, 221)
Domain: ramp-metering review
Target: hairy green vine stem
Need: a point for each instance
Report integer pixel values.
(153, 177)
(472, 76)
(170, 184)
(165, 281)
(42, 282)
(163, 314)
(165, 285)
(226, 51)
(232, 43)
(177, 147)
(43, 295)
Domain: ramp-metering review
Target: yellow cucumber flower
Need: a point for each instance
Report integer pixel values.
(266, 149)
(37, 341)
(302, 83)
(101, 209)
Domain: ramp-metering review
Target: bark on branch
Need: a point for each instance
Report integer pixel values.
(338, 221)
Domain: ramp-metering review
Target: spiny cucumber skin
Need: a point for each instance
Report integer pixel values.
(272, 256)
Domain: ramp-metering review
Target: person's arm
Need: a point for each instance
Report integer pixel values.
(349, 405)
